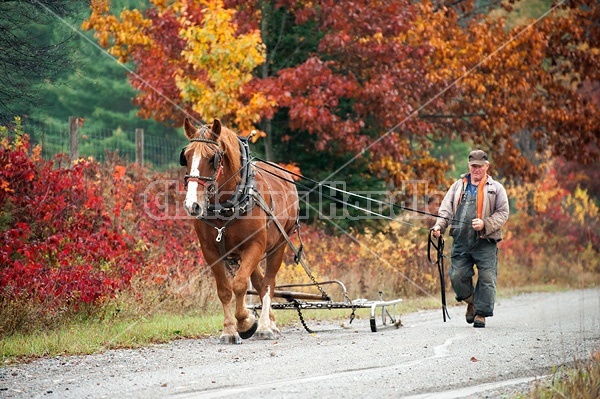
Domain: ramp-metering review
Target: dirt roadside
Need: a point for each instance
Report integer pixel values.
(425, 358)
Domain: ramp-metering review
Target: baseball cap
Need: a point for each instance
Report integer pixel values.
(478, 157)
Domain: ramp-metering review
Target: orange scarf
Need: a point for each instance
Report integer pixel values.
(480, 194)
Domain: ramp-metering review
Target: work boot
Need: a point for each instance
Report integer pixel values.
(470, 315)
(479, 322)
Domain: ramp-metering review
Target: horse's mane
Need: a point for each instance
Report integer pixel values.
(228, 142)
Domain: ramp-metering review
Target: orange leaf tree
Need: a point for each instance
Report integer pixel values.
(514, 91)
(379, 79)
(517, 92)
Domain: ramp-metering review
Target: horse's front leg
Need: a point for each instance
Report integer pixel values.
(266, 325)
(225, 293)
(246, 322)
(263, 323)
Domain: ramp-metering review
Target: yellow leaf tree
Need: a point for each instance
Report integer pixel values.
(210, 63)
(227, 61)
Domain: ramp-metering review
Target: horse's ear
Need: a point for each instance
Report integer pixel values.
(188, 128)
(216, 127)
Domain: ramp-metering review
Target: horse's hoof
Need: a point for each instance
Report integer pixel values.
(275, 330)
(265, 334)
(230, 339)
(250, 332)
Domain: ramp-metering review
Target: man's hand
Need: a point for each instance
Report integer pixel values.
(436, 231)
(478, 224)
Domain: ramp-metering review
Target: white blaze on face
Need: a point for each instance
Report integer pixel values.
(192, 189)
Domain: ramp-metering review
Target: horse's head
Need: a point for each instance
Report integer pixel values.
(203, 158)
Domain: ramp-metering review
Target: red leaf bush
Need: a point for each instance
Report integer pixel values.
(59, 247)
(74, 236)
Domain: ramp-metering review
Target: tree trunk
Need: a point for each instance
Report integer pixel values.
(266, 124)
(268, 141)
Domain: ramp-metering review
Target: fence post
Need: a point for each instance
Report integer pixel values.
(139, 146)
(73, 137)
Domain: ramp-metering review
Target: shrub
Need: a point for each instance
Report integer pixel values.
(60, 250)
(554, 235)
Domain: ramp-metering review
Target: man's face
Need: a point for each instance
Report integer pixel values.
(478, 172)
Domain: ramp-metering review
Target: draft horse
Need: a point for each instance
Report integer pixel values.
(241, 215)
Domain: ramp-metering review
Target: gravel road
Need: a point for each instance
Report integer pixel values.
(425, 358)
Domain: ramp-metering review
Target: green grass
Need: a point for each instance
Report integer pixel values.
(90, 336)
(86, 335)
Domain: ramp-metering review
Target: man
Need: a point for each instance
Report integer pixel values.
(476, 207)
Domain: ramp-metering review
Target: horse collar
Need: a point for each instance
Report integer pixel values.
(240, 201)
(238, 204)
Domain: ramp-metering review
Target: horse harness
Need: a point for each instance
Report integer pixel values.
(243, 199)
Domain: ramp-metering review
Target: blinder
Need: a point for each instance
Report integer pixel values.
(182, 158)
(216, 161)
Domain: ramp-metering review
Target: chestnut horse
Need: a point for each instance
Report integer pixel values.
(234, 206)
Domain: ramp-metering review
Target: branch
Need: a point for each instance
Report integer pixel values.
(452, 116)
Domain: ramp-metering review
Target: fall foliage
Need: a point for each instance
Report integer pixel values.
(189, 59)
(79, 236)
(370, 85)
(388, 77)
(524, 83)
(59, 246)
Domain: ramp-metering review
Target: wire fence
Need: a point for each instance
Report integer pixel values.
(157, 150)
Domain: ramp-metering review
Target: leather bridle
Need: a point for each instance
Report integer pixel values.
(208, 182)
